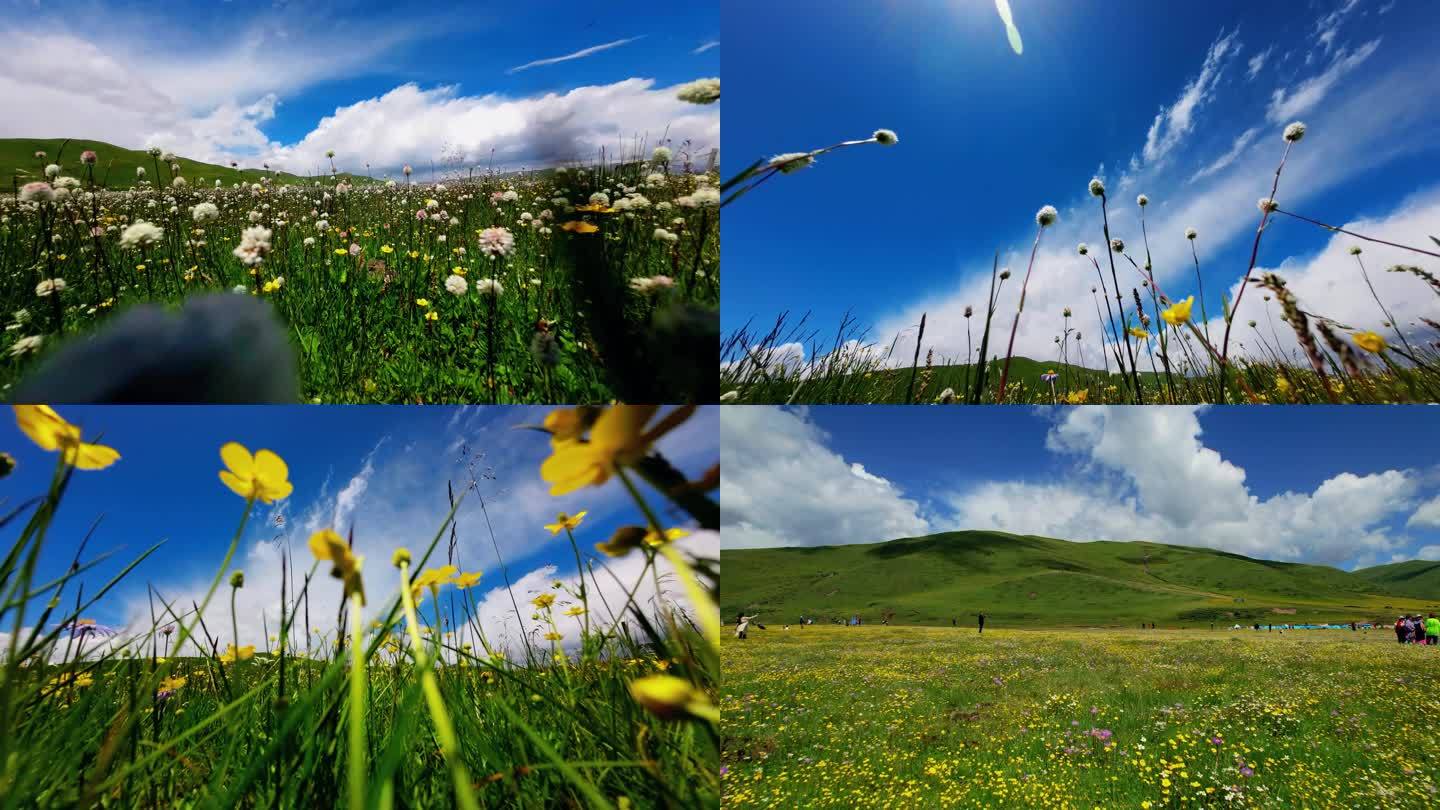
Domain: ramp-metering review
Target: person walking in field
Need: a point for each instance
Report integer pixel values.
(743, 625)
(1432, 630)
(981, 617)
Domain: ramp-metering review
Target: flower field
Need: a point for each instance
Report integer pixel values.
(578, 284)
(414, 708)
(834, 716)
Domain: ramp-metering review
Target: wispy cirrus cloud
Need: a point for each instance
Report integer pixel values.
(580, 54)
(714, 43)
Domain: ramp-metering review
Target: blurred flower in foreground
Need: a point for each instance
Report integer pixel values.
(670, 698)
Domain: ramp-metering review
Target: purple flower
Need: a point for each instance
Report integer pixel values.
(1247, 771)
(724, 769)
(1216, 741)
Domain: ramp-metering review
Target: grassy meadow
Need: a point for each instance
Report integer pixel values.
(416, 708)
(1142, 346)
(584, 284)
(826, 716)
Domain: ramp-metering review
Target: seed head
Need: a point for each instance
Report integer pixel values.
(1097, 188)
(1046, 216)
(1295, 131)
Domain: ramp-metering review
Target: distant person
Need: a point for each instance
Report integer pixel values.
(952, 621)
(981, 617)
(743, 625)
(1400, 629)
(1432, 630)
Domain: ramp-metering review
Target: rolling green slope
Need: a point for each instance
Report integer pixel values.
(115, 167)
(1417, 578)
(1038, 581)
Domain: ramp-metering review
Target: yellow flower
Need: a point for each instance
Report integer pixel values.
(263, 476)
(432, 315)
(564, 521)
(171, 684)
(414, 254)
(458, 270)
(422, 302)
(1139, 333)
(434, 579)
(576, 226)
(327, 545)
(1078, 397)
(668, 697)
(400, 557)
(553, 636)
(543, 601)
(567, 423)
(595, 208)
(618, 438)
(467, 580)
(575, 611)
(51, 432)
(1282, 385)
(1179, 313)
(386, 249)
(339, 251)
(653, 539)
(243, 654)
(1369, 341)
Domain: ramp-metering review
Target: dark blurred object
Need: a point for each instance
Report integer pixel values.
(668, 359)
(220, 348)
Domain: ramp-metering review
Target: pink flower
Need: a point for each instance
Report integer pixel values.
(88, 157)
(97, 231)
(496, 242)
(354, 249)
(421, 214)
(496, 196)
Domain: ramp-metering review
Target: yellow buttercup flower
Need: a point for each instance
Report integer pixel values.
(1139, 333)
(422, 302)
(339, 251)
(263, 476)
(617, 438)
(434, 579)
(543, 601)
(171, 684)
(595, 208)
(386, 249)
(467, 580)
(1369, 341)
(432, 315)
(669, 697)
(327, 545)
(566, 423)
(577, 226)
(1078, 397)
(1178, 313)
(654, 539)
(564, 521)
(243, 654)
(553, 636)
(51, 432)
(575, 611)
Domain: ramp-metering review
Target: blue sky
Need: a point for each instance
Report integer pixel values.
(382, 470)
(1184, 102)
(397, 83)
(1343, 486)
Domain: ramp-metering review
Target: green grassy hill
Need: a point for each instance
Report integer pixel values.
(1037, 581)
(115, 167)
(1024, 377)
(1417, 578)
